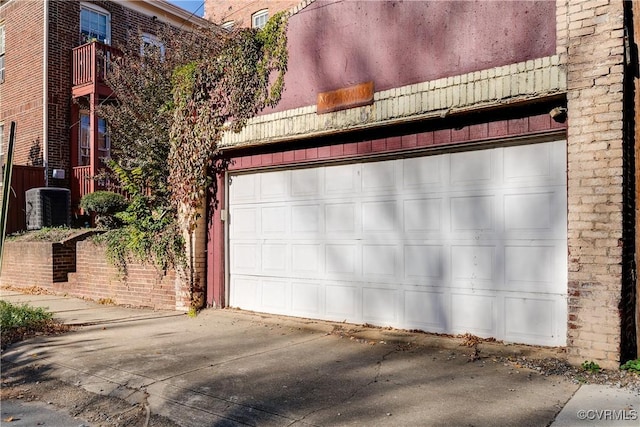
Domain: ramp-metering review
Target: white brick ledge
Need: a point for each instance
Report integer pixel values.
(480, 89)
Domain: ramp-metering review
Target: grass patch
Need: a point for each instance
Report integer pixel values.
(18, 322)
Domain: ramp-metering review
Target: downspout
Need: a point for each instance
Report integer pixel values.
(45, 96)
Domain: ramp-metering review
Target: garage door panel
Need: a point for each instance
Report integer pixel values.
(342, 179)
(306, 259)
(536, 164)
(274, 258)
(474, 313)
(425, 263)
(428, 310)
(380, 216)
(245, 257)
(475, 213)
(379, 177)
(379, 261)
(244, 222)
(342, 302)
(305, 183)
(423, 215)
(244, 189)
(274, 295)
(449, 243)
(535, 267)
(306, 219)
(274, 185)
(472, 168)
(379, 306)
(274, 220)
(341, 218)
(245, 292)
(473, 264)
(423, 172)
(533, 319)
(306, 298)
(342, 259)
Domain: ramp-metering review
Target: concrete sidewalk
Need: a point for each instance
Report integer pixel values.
(227, 367)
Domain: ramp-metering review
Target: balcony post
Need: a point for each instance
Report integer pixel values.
(93, 141)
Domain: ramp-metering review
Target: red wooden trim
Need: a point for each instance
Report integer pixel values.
(215, 250)
(526, 126)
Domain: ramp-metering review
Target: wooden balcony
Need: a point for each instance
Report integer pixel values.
(83, 183)
(91, 62)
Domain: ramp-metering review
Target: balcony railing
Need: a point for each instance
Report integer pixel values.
(83, 183)
(91, 62)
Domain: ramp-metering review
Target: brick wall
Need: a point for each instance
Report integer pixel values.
(240, 11)
(96, 279)
(41, 264)
(595, 178)
(21, 91)
(80, 268)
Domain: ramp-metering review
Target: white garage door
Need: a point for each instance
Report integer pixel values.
(473, 241)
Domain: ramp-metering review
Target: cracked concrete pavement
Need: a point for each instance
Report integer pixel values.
(227, 367)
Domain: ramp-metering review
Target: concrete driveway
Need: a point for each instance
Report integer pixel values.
(227, 367)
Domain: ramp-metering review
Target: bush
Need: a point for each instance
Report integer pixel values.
(13, 316)
(104, 204)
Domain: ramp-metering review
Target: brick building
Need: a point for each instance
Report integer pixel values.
(251, 13)
(51, 58)
(446, 166)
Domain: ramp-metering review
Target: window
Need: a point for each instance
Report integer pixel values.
(84, 140)
(1, 53)
(151, 42)
(104, 144)
(259, 19)
(228, 25)
(95, 24)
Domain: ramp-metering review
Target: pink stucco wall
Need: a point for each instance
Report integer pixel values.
(394, 43)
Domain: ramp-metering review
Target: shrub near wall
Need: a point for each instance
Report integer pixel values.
(96, 278)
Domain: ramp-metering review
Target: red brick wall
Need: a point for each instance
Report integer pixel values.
(80, 268)
(64, 35)
(21, 94)
(96, 279)
(240, 11)
(27, 264)
(21, 91)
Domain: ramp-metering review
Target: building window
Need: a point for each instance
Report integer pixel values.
(228, 25)
(95, 24)
(150, 43)
(84, 140)
(1, 53)
(104, 144)
(259, 19)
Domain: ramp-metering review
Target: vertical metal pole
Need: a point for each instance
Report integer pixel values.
(5, 190)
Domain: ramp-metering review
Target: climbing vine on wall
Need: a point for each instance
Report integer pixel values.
(170, 108)
(216, 94)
